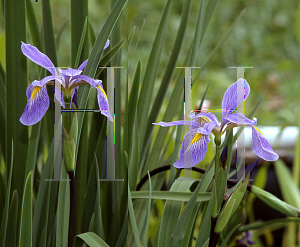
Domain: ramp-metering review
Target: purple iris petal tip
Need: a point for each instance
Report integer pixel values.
(261, 146)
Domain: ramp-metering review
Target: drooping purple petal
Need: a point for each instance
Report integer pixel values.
(239, 119)
(102, 100)
(261, 146)
(193, 149)
(37, 104)
(37, 57)
(234, 95)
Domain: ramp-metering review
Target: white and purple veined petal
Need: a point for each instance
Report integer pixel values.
(37, 103)
(261, 146)
(234, 95)
(193, 149)
(38, 57)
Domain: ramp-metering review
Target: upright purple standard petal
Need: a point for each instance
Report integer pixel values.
(261, 146)
(234, 95)
(37, 104)
(194, 151)
(37, 57)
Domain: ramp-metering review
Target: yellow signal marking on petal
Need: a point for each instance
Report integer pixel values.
(258, 130)
(101, 89)
(196, 138)
(36, 89)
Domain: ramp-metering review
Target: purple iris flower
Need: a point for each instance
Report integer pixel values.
(203, 124)
(70, 79)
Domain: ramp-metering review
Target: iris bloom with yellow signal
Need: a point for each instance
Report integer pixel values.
(195, 142)
(70, 79)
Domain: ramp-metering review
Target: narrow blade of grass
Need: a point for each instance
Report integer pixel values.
(170, 195)
(290, 191)
(228, 236)
(130, 111)
(98, 216)
(109, 56)
(33, 26)
(133, 165)
(80, 47)
(50, 51)
(133, 220)
(171, 213)
(149, 211)
(79, 41)
(220, 43)
(150, 73)
(3, 229)
(40, 200)
(49, 38)
(26, 215)
(32, 148)
(16, 84)
(169, 70)
(11, 237)
(63, 210)
(92, 239)
(95, 56)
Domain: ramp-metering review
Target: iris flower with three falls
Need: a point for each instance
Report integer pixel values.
(70, 79)
(195, 142)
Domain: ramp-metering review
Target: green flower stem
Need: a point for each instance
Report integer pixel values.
(66, 116)
(217, 157)
(213, 239)
(213, 235)
(69, 139)
(72, 209)
(70, 130)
